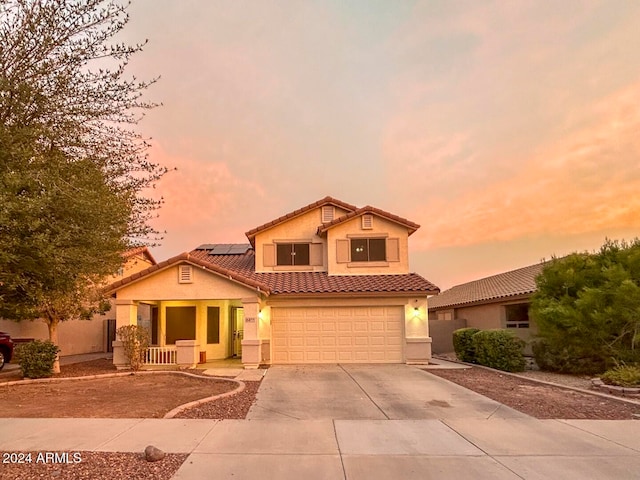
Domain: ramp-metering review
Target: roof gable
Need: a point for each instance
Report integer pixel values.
(251, 234)
(411, 226)
(193, 260)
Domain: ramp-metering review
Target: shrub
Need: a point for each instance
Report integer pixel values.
(135, 341)
(36, 358)
(623, 376)
(499, 349)
(463, 344)
(566, 358)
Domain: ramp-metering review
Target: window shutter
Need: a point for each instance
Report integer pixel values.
(185, 274)
(342, 251)
(367, 222)
(393, 249)
(327, 213)
(269, 255)
(315, 254)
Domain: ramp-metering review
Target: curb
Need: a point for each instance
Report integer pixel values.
(551, 384)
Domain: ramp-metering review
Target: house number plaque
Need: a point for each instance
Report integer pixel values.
(250, 319)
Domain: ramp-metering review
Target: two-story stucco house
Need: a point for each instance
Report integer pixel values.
(327, 283)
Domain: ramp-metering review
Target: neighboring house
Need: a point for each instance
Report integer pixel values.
(327, 283)
(83, 336)
(499, 301)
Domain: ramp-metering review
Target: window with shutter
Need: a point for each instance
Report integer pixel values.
(185, 274)
(367, 222)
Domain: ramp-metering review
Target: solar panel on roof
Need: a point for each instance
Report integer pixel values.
(225, 248)
(238, 249)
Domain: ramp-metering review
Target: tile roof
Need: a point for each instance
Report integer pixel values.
(315, 282)
(132, 252)
(369, 209)
(516, 282)
(325, 201)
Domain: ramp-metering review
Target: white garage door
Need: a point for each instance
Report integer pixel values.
(337, 335)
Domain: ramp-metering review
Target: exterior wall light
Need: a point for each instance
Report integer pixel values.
(260, 315)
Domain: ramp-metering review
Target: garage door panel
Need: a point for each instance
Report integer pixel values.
(337, 335)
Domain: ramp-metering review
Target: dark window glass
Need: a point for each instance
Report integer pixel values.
(301, 254)
(181, 324)
(368, 250)
(359, 252)
(292, 253)
(517, 316)
(377, 250)
(213, 324)
(284, 252)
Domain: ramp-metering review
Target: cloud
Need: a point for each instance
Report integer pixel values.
(586, 182)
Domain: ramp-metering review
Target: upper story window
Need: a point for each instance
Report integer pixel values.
(368, 250)
(292, 254)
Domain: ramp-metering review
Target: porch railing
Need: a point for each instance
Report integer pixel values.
(161, 356)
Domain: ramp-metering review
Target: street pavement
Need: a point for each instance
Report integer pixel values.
(358, 422)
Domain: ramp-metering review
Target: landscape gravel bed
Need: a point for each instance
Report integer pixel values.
(96, 465)
(539, 400)
(234, 407)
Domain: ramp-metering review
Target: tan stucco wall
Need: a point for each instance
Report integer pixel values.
(74, 336)
(381, 227)
(302, 228)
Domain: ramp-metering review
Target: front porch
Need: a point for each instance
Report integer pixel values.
(195, 333)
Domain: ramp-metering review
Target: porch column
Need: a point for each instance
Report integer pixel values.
(126, 314)
(251, 341)
(416, 326)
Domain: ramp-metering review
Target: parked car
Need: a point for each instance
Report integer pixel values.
(6, 348)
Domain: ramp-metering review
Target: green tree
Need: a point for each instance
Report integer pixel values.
(73, 169)
(587, 308)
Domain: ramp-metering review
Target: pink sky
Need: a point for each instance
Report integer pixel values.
(509, 130)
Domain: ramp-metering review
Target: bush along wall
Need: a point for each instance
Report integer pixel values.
(463, 344)
(36, 358)
(499, 349)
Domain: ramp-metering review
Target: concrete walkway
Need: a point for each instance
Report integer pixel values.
(354, 449)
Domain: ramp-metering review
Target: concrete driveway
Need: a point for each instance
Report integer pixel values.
(367, 392)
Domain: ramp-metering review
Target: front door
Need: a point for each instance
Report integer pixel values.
(236, 329)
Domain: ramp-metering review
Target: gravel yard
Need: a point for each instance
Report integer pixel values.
(539, 400)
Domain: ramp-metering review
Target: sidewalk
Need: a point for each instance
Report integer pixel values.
(357, 449)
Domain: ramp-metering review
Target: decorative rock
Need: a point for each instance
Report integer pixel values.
(153, 454)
